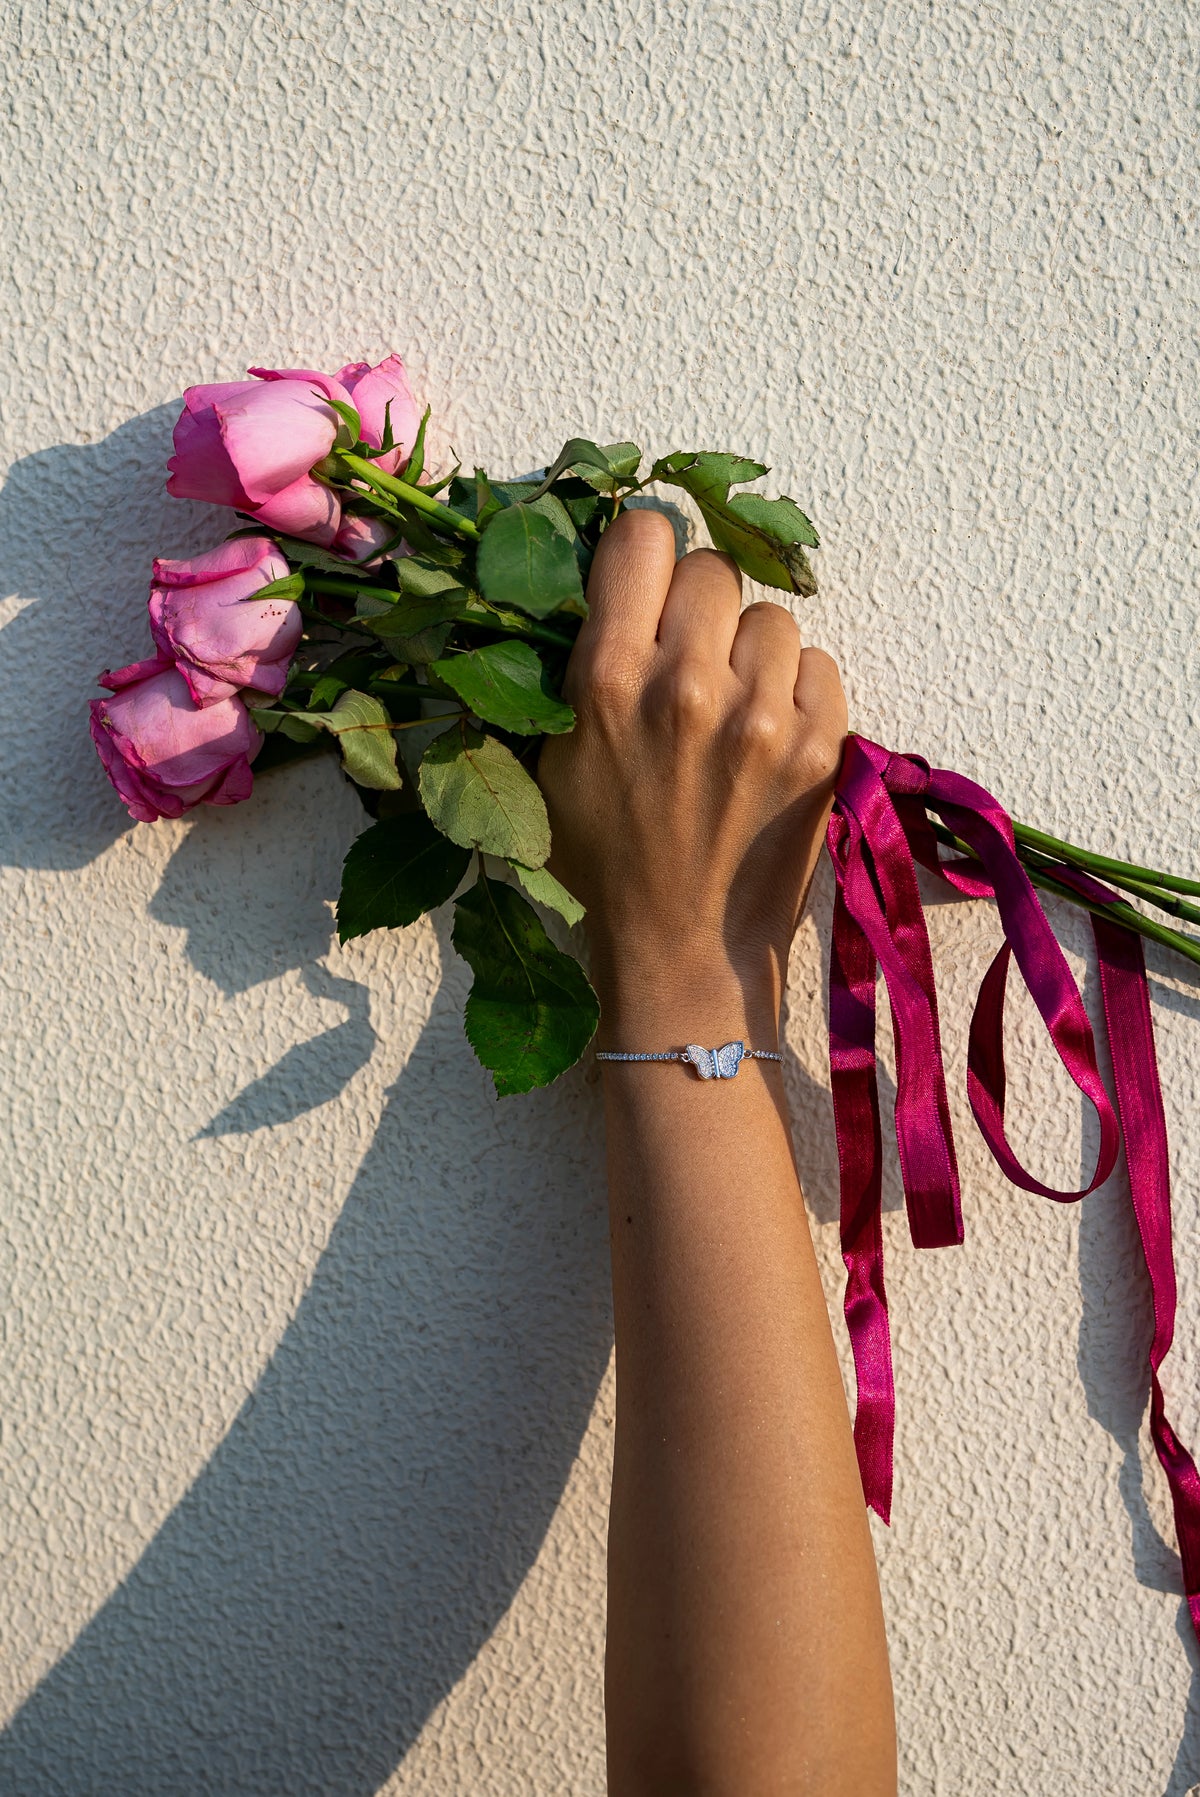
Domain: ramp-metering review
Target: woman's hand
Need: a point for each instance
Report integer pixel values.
(688, 805)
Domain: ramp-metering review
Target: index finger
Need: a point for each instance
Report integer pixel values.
(628, 584)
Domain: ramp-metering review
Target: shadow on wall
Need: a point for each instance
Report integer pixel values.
(383, 1492)
(379, 1498)
(79, 527)
(251, 885)
(1115, 1332)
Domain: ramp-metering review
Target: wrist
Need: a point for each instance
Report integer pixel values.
(652, 1002)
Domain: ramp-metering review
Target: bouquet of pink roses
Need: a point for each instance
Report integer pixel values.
(420, 629)
(358, 601)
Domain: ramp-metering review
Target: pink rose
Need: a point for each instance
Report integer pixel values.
(204, 615)
(360, 538)
(254, 444)
(164, 753)
(370, 389)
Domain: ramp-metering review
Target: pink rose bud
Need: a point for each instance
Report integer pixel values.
(162, 751)
(204, 615)
(370, 391)
(360, 538)
(254, 444)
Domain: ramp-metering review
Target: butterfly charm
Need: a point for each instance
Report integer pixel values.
(715, 1063)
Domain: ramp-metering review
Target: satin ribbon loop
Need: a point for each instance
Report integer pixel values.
(974, 816)
(986, 1083)
(878, 831)
(878, 885)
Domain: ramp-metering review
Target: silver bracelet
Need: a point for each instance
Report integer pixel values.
(710, 1063)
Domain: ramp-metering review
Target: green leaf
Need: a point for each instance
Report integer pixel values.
(325, 690)
(413, 742)
(780, 518)
(764, 536)
(542, 886)
(603, 467)
(293, 726)
(394, 873)
(347, 414)
(523, 561)
(531, 1012)
(288, 586)
(582, 504)
(503, 618)
(422, 578)
(486, 502)
(363, 731)
(423, 647)
(416, 624)
(273, 720)
(763, 557)
(433, 487)
(419, 646)
(624, 459)
(706, 475)
(307, 554)
(479, 795)
(550, 507)
(465, 495)
(414, 468)
(506, 684)
(267, 717)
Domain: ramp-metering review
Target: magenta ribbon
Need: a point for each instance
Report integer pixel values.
(878, 831)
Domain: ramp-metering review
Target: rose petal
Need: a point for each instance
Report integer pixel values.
(239, 554)
(200, 467)
(305, 509)
(274, 434)
(371, 389)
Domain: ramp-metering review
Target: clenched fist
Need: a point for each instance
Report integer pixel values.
(687, 807)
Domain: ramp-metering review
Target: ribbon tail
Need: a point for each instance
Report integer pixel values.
(879, 884)
(860, 1161)
(1126, 998)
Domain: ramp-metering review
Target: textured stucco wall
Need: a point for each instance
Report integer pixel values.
(306, 1404)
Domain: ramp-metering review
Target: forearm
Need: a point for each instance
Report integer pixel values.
(746, 1651)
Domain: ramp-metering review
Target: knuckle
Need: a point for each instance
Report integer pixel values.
(606, 681)
(760, 732)
(821, 675)
(713, 564)
(820, 757)
(689, 698)
(768, 611)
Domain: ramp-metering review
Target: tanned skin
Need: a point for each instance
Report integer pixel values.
(746, 1653)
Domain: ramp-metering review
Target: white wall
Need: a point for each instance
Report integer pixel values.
(306, 1406)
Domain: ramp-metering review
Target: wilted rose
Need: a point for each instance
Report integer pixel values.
(204, 615)
(162, 751)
